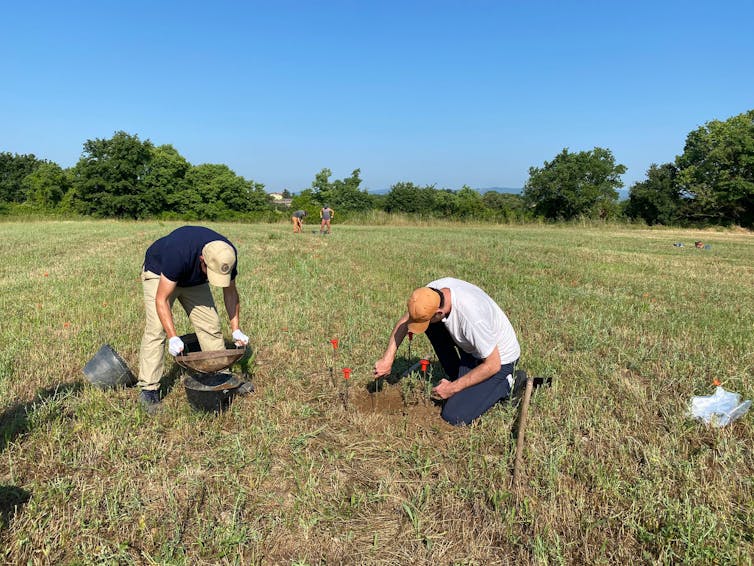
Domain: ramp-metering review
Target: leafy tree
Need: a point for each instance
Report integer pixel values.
(46, 186)
(378, 201)
(13, 169)
(108, 179)
(575, 184)
(321, 187)
(505, 205)
(445, 202)
(345, 195)
(164, 183)
(256, 197)
(215, 191)
(342, 194)
(123, 176)
(305, 201)
(470, 204)
(657, 200)
(411, 199)
(716, 171)
(347, 199)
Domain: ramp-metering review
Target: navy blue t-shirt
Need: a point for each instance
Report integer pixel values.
(176, 256)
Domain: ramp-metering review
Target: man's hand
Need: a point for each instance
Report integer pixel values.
(175, 346)
(445, 389)
(382, 367)
(240, 338)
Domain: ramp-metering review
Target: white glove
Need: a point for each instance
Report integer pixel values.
(175, 346)
(239, 336)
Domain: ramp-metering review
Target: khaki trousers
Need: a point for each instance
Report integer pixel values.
(199, 305)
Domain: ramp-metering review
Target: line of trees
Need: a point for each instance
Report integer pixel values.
(346, 196)
(125, 177)
(711, 183)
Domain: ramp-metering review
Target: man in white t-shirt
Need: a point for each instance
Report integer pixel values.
(473, 339)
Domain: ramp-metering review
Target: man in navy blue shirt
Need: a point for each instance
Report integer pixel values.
(181, 266)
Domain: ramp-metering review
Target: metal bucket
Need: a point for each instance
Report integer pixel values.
(107, 370)
(210, 392)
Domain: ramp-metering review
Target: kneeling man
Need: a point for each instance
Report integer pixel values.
(473, 340)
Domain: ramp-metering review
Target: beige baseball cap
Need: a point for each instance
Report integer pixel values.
(220, 258)
(422, 306)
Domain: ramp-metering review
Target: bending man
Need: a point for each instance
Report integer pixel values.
(473, 339)
(181, 266)
(298, 221)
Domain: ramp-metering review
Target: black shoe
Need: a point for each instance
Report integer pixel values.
(519, 385)
(246, 388)
(150, 401)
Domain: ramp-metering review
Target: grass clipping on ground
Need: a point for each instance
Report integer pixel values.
(314, 469)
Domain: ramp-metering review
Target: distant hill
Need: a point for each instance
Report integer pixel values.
(481, 191)
(501, 190)
(622, 193)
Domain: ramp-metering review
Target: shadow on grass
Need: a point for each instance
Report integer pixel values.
(14, 421)
(168, 381)
(12, 499)
(402, 367)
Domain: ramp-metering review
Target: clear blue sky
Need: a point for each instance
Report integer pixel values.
(433, 92)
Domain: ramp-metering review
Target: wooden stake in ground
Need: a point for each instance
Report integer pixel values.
(521, 432)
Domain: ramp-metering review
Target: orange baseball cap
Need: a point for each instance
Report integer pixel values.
(422, 306)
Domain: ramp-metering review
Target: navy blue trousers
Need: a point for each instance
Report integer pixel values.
(474, 401)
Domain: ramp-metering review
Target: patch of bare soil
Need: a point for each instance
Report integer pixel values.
(394, 400)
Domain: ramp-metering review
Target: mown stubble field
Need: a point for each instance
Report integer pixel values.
(626, 325)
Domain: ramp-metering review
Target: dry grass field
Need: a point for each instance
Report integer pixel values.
(627, 326)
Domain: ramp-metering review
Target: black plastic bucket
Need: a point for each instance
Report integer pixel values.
(210, 392)
(107, 370)
(190, 343)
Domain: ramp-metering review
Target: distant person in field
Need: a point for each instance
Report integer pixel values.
(326, 214)
(473, 340)
(298, 221)
(181, 266)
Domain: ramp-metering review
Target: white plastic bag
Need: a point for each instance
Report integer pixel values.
(719, 409)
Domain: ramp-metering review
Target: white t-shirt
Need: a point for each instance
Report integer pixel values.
(476, 323)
